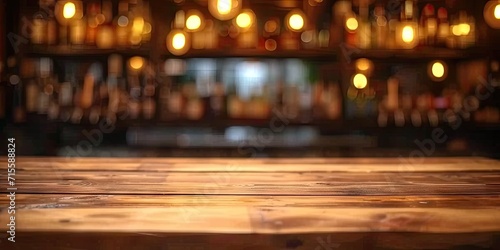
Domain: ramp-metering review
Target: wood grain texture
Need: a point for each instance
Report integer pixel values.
(262, 165)
(249, 219)
(41, 201)
(246, 196)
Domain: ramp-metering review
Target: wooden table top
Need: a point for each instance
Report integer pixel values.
(265, 196)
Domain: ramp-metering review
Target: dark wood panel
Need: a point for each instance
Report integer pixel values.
(319, 241)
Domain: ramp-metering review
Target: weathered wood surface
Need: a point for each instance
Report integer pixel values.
(448, 196)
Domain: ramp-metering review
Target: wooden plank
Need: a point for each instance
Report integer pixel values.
(39, 201)
(245, 165)
(215, 160)
(95, 182)
(256, 220)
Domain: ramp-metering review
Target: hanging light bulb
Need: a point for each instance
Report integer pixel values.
(224, 6)
(364, 66)
(69, 10)
(224, 9)
(178, 42)
(492, 14)
(360, 81)
(136, 63)
(194, 21)
(437, 70)
(351, 24)
(245, 19)
(65, 11)
(406, 35)
(295, 20)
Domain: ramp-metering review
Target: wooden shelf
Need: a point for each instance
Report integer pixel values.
(78, 51)
(322, 54)
(422, 53)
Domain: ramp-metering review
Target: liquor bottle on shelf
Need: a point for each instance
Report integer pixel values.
(291, 101)
(105, 33)
(54, 108)
(392, 25)
(443, 27)
(30, 75)
(333, 103)
(194, 109)
(257, 107)
(39, 30)
(134, 104)
(17, 90)
(78, 31)
(66, 92)
(380, 28)
(46, 87)
(392, 94)
(99, 94)
(318, 107)
(428, 25)
(365, 27)
(324, 32)
(235, 105)
(176, 101)
(416, 118)
(93, 9)
(52, 30)
(121, 24)
(149, 100)
(271, 33)
(44, 95)
(217, 102)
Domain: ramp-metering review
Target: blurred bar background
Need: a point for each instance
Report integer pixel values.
(228, 78)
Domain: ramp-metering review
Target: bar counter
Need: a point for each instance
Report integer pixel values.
(216, 203)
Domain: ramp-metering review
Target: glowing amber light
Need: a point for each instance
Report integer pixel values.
(224, 6)
(244, 20)
(438, 69)
(69, 10)
(271, 26)
(193, 22)
(496, 12)
(138, 25)
(408, 34)
(363, 64)
(136, 62)
(178, 41)
(351, 24)
(464, 29)
(359, 81)
(296, 22)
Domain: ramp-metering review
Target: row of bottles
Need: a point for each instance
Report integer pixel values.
(131, 26)
(321, 102)
(85, 92)
(405, 27)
